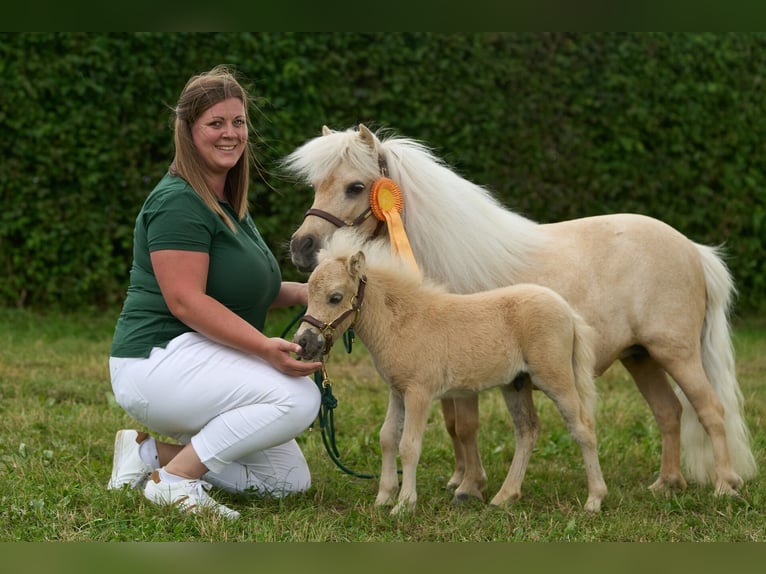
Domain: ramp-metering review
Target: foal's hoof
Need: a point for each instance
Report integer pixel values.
(593, 505)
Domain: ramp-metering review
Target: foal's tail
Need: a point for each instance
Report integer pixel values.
(718, 362)
(584, 363)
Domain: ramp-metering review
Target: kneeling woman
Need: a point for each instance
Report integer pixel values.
(189, 359)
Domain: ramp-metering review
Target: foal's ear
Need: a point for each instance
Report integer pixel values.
(356, 264)
(367, 136)
(326, 131)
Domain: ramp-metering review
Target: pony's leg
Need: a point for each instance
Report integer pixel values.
(652, 381)
(526, 427)
(448, 412)
(416, 408)
(467, 429)
(690, 375)
(390, 434)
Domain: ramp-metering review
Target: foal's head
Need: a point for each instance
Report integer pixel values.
(336, 291)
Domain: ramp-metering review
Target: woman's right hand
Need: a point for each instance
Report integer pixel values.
(279, 353)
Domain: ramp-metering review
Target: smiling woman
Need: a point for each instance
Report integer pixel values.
(189, 358)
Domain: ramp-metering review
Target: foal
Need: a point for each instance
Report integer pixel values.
(427, 344)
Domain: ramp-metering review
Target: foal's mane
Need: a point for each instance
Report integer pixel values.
(460, 234)
(387, 268)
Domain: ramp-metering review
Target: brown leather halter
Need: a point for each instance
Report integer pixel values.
(362, 217)
(328, 329)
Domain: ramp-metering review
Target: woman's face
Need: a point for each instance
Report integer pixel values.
(220, 135)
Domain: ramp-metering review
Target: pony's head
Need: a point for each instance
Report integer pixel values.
(335, 295)
(342, 167)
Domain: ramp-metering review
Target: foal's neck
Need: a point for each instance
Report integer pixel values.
(386, 299)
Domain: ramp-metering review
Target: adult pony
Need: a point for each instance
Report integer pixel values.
(658, 301)
(472, 342)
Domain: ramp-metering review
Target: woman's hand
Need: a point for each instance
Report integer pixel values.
(279, 354)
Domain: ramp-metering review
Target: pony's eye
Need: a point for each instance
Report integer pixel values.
(335, 298)
(355, 188)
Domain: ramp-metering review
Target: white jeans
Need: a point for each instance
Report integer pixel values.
(239, 413)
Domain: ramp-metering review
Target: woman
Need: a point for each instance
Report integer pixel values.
(189, 358)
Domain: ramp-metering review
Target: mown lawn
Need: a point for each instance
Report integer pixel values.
(58, 420)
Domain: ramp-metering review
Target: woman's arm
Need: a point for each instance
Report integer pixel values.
(182, 277)
(291, 293)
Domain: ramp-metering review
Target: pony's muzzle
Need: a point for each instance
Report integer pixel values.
(303, 251)
(312, 344)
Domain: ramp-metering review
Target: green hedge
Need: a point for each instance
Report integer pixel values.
(558, 125)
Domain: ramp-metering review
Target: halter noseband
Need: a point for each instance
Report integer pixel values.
(362, 217)
(328, 329)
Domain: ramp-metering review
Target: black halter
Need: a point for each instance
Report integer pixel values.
(328, 329)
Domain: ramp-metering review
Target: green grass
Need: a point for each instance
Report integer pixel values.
(58, 419)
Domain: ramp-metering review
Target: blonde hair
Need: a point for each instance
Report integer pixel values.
(201, 93)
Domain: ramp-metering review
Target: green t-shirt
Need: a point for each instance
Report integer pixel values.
(243, 274)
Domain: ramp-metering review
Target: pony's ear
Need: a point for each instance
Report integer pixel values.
(367, 136)
(356, 264)
(326, 131)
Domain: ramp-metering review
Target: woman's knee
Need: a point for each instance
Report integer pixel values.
(304, 405)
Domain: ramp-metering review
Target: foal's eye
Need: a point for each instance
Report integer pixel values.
(335, 298)
(355, 188)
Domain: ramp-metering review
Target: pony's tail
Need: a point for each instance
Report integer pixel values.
(584, 363)
(718, 362)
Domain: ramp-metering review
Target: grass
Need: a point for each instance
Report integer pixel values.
(58, 419)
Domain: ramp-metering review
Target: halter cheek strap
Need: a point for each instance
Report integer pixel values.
(337, 221)
(328, 329)
(362, 217)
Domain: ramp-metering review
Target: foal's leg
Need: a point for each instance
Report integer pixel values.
(691, 377)
(526, 426)
(653, 383)
(416, 406)
(467, 429)
(390, 435)
(563, 393)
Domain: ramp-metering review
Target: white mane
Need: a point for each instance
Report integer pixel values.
(460, 234)
(318, 158)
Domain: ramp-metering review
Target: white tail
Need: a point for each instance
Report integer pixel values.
(718, 362)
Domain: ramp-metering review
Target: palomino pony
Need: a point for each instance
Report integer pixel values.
(472, 342)
(658, 301)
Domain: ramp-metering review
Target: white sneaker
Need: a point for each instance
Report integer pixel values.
(127, 467)
(187, 495)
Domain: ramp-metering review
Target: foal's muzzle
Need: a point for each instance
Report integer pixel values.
(313, 344)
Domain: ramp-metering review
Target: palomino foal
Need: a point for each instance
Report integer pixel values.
(427, 343)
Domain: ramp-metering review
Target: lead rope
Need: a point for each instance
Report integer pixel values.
(326, 415)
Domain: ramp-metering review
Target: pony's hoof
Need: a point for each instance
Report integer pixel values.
(724, 488)
(668, 485)
(466, 499)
